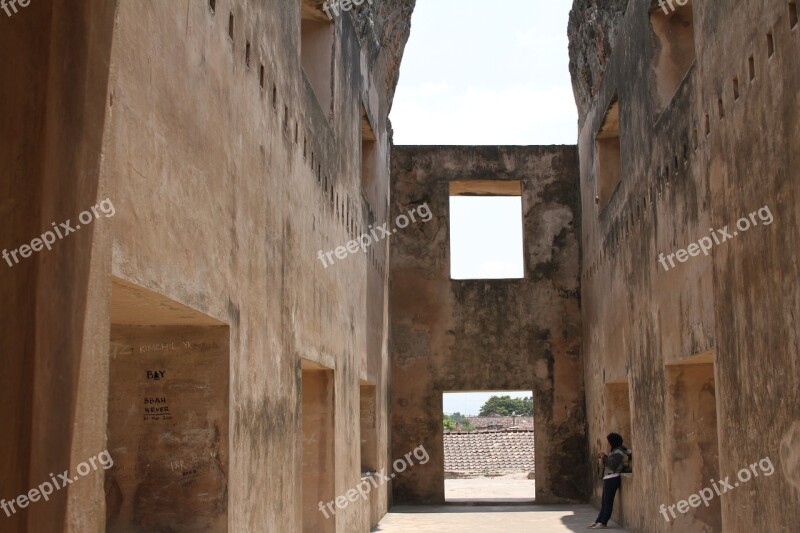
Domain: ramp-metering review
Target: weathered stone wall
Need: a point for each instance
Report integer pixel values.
(517, 334)
(723, 147)
(592, 32)
(224, 191)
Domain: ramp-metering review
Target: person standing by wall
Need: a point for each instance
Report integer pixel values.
(614, 464)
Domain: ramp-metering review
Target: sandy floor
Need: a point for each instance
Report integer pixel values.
(508, 488)
(490, 519)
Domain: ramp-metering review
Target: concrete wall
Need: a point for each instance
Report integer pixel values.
(721, 148)
(519, 334)
(224, 192)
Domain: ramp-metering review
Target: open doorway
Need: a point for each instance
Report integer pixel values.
(488, 446)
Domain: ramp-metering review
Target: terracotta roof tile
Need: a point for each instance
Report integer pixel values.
(489, 451)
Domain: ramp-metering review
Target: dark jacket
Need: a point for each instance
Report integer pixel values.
(620, 458)
(615, 462)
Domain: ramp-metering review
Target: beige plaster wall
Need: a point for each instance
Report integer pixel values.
(224, 193)
(700, 161)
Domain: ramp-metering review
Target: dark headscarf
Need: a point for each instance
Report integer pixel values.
(614, 439)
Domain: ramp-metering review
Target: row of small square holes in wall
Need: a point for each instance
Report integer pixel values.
(751, 70)
(664, 172)
(343, 209)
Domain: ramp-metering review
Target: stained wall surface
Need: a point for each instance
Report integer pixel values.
(471, 335)
(720, 156)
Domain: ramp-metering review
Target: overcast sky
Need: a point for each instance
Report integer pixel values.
(478, 72)
(486, 73)
(486, 237)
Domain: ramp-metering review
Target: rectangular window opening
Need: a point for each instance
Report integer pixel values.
(675, 49)
(751, 66)
(247, 54)
(230, 26)
(212, 4)
(721, 108)
(159, 351)
(368, 416)
(369, 157)
(318, 445)
(735, 88)
(792, 15)
(486, 230)
(608, 155)
(489, 446)
(316, 52)
(261, 77)
(692, 437)
(770, 45)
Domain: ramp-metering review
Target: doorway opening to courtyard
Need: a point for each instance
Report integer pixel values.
(488, 447)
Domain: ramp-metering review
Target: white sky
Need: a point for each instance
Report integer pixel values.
(485, 237)
(486, 73)
(469, 403)
(477, 72)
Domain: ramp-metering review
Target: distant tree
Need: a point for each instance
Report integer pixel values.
(457, 421)
(506, 405)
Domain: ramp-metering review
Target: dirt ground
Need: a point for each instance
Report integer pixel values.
(505, 488)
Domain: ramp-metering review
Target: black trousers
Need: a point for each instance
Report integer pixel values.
(610, 487)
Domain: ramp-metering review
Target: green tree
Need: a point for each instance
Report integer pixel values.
(456, 420)
(506, 405)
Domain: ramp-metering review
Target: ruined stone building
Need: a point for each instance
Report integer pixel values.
(202, 318)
